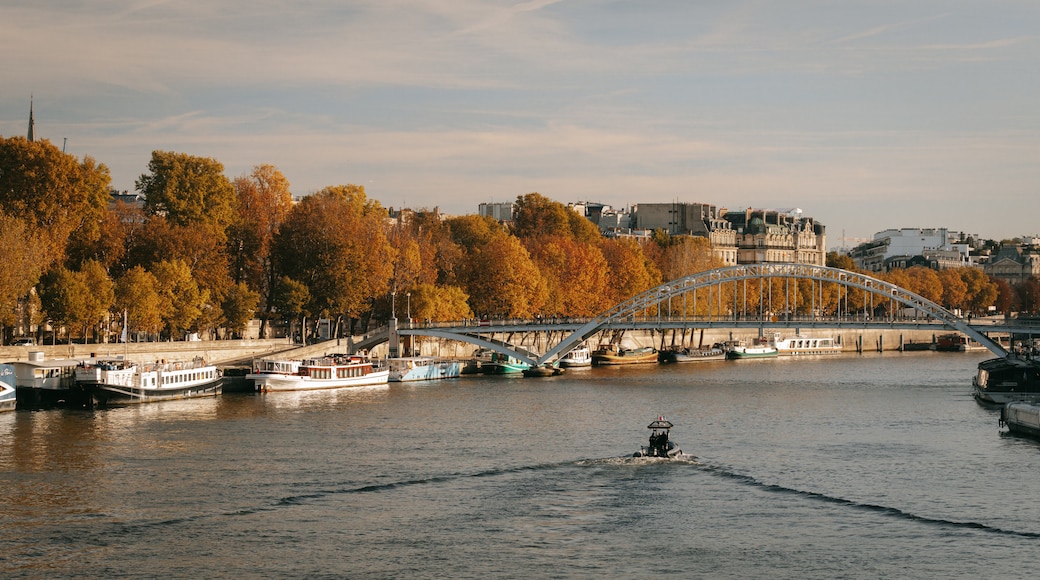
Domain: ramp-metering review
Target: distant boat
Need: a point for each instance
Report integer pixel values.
(328, 372)
(610, 356)
(578, 357)
(804, 345)
(660, 445)
(917, 346)
(756, 349)
(1006, 380)
(423, 368)
(475, 364)
(686, 355)
(955, 342)
(501, 364)
(46, 383)
(122, 382)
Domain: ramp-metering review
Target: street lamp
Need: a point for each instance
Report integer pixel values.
(393, 304)
(409, 296)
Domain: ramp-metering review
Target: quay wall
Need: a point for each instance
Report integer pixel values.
(219, 352)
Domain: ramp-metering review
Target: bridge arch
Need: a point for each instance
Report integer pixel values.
(718, 277)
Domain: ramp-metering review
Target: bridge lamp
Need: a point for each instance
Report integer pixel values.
(393, 304)
(409, 296)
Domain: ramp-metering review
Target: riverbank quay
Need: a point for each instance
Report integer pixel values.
(218, 352)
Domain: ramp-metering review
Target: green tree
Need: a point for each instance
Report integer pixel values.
(136, 294)
(290, 299)
(64, 298)
(100, 293)
(239, 307)
(181, 301)
(188, 190)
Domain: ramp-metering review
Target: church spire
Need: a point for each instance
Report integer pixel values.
(31, 136)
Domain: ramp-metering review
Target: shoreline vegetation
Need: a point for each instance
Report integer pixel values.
(199, 254)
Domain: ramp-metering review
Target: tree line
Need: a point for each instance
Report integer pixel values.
(207, 254)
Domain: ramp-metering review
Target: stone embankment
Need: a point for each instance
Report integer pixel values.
(219, 352)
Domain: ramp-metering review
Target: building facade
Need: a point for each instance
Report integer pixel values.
(938, 248)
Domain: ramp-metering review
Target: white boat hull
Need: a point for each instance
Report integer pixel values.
(273, 382)
(408, 370)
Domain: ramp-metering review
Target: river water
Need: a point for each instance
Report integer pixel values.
(872, 466)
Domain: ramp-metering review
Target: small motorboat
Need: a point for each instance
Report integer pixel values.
(660, 445)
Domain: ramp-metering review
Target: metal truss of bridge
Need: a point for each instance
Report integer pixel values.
(639, 311)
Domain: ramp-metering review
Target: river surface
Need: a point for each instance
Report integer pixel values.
(855, 466)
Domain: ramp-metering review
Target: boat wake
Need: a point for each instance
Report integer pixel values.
(886, 510)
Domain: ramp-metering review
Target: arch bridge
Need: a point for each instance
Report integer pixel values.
(747, 295)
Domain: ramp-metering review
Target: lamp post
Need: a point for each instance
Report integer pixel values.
(393, 304)
(409, 296)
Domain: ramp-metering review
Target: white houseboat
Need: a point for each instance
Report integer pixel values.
(578, 357)
(122, 382)
(328, 372)
(805, 345)
(45, 383)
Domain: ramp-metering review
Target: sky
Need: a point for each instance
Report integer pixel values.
(864, 114)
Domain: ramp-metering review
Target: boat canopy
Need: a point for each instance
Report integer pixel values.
(660, 423)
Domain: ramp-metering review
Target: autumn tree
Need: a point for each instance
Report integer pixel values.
(263, 200)
(629, 270)
(842, 261)
(24, 263)
(925, 282)
(1007, 298)
(57, 195)
(537, 215)
(439, 303)
(334, 242)
(981, 293)
(575, 275)
(685, 255)
(954, 288)
(1029, 294)
(502, 280)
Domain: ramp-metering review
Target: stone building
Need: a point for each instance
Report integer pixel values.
(752, 236)
(766, 236)
(1014, 264)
